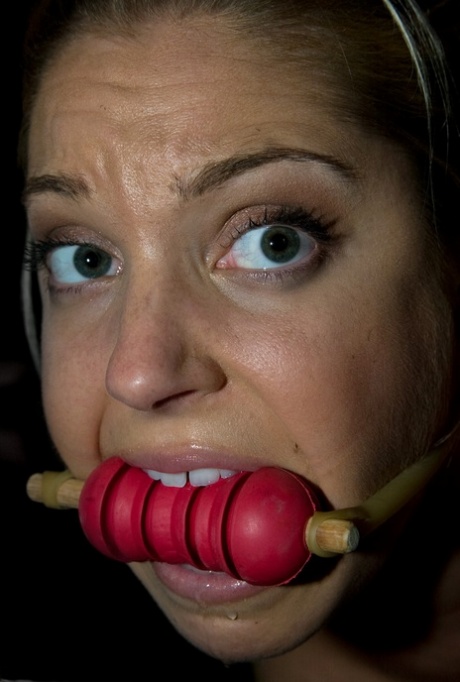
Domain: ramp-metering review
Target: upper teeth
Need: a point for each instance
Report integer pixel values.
(197, 477)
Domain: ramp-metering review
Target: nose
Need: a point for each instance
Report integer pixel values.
(161, 354)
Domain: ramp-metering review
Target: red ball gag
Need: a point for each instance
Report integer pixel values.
(251, 525)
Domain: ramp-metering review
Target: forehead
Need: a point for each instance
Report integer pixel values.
(194, 86)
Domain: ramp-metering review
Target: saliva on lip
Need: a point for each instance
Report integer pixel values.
(249, 525)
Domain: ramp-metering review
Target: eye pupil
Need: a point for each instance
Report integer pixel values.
(91, 262)
(280, 244)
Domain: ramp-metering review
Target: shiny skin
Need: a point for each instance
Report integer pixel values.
(182, 359)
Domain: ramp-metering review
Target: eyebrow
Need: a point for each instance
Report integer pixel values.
(215, 174)
(211, 176)
(70, 186)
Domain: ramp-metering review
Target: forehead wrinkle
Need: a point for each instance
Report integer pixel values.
(212, 175)
(216, 173)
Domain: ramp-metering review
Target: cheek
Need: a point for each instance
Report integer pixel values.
(348, 385)
(73, 394)
(323, 381)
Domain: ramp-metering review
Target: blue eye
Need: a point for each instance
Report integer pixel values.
(271, 246)
(76, 263)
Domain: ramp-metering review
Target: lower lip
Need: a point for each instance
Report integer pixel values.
(206, 587)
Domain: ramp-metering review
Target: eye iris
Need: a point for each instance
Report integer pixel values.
(280, 244)
(91, 262)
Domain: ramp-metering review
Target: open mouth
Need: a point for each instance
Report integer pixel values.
(249, 525)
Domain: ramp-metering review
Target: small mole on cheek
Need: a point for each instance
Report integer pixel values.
(296, 447)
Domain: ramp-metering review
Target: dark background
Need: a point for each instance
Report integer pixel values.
(67, 613)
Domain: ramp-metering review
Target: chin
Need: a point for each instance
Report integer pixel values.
(270, 623)
(233, 638)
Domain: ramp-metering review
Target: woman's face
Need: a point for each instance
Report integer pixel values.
(237, 278)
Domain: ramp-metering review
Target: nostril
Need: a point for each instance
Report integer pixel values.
(148, 371)
(178, 397)
(146, 387)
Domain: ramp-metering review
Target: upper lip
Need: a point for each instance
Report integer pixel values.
(176, 459)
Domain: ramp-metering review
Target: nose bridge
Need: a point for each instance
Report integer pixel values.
(159, 353)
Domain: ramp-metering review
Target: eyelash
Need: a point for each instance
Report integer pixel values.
(36, 257)
(315, 227)
(36, 253)
(291, 216)
(295, 217)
